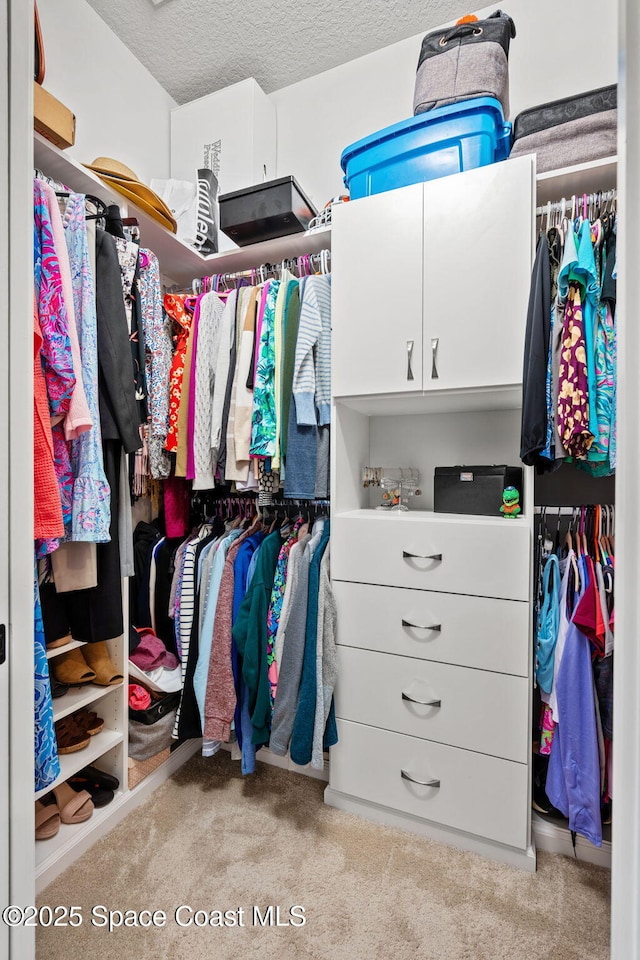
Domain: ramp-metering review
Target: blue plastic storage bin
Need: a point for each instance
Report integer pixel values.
(459, 136)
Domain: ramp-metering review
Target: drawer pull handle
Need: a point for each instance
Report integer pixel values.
(420, 556)
(409, 359)
(421, 783)
(420, 626)
(434, 358)
(423, 703)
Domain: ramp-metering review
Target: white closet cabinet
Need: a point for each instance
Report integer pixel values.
(477, 271)
(430, 283)
(376, 259)
(433, 695)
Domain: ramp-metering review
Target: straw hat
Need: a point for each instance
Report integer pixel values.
(125, 181)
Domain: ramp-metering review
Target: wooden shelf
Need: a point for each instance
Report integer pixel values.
(80, 697)
(179, 262)
(70, 763)
(580, 178)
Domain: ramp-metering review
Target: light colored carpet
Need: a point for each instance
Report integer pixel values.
(213, 840)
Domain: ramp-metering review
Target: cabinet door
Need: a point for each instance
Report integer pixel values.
(377, 294)
(478, 243)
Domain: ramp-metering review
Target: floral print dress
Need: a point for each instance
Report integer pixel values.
(176, 310)
(57, 359)
(91, 501)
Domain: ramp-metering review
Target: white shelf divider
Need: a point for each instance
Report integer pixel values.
(78, 697)
(70, 763)
(72, 833)
(178, 261)
(578, 179)
(56, 651)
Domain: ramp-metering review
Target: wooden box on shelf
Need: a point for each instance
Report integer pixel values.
(52, 119)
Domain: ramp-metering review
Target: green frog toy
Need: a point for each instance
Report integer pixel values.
(510, 503)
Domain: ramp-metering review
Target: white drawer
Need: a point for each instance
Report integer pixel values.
(471, 631)
(478, 794)
(482, 556)
(473, 709)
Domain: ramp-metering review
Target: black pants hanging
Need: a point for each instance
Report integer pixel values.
(96, 614)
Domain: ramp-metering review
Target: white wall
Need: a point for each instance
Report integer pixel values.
(319, 117)
(121, 111)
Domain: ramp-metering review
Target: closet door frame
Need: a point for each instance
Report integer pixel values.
(16, 484)
(625, 896)
(4, 493)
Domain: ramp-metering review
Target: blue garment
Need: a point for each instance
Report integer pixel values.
(201, 672)
(573, 780)
(301, 745)
(549, 452)
(46, 747)
(243, 568)
(586, 274)
(548, 624)
(91, 493)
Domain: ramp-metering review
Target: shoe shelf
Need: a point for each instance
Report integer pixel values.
(79, 697)
(48, 851)
(56, 651)
(70, 763)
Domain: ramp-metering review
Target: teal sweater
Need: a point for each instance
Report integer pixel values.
(302, 735)
(250, 636)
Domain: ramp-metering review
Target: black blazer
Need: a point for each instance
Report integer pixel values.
(119, 417)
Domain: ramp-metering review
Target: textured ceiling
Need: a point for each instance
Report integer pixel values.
(193, 47)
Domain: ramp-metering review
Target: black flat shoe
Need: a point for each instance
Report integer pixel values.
(95, 775)
(101, 796)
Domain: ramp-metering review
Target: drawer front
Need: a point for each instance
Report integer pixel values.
(467, 631)
(478, 794)
(486, 559)
(473, 709)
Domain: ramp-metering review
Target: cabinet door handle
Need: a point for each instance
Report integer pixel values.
(420, 556)
(410, 344)
(421, 783)
(434, 356)
(422, 703)
(421, 626)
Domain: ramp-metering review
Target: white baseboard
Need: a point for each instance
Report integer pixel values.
(556, 838)
(285, 763)
(524, 859)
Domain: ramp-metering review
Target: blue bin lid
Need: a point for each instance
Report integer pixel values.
(460, 108)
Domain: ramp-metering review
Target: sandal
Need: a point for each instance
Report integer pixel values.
(89, 721)
(73, 807)
(71, 668)
(58, 689)
(97, 657)
(47, 821)
(100, 795)
(96, 775)
(71, 736)
(61, 642)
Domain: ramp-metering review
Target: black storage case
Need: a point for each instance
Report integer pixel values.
(474, 490)
(573, 130)
(265, 211)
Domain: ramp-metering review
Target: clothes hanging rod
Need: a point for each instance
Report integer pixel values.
(576, 201)
(565, 511)
(271, 267)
